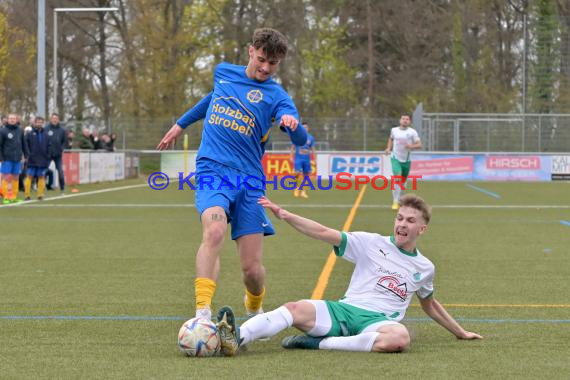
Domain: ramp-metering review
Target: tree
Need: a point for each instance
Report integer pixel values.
(327, 88)
(17, 53)
(546, 32)
(563, 101)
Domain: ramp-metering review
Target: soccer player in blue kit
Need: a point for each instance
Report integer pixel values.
(238, 116)
(301, 158)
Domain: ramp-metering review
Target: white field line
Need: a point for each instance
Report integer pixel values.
(36, 204)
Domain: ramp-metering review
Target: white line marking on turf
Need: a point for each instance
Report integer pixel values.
(34, 203)
(484, 191)
(112, 205)
(190, 205)
(182, 318)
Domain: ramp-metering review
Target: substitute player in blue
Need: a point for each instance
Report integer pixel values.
(237, 122)
(12, 150)
(38, 159)
(301, 158)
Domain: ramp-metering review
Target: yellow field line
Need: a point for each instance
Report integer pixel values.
(560, 306)
(331, 260)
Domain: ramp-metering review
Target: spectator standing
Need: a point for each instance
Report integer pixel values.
(57, 138)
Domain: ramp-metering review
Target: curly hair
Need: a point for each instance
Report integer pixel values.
(273, 43)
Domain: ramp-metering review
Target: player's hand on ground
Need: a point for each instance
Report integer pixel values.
(275, 209)
(170, 137)
(467, 335)
(289, 122)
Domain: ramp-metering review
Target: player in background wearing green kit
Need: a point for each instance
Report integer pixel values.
(403, 139)
(388, 271)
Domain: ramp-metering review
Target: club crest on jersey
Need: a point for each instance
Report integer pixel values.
(392, 285)
(255, 96)
(10, 135)
(417, 276)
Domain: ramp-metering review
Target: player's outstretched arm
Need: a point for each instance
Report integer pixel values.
(170, 137)
(198, 112)
(290, 124)
(303, 225)
(437, 312)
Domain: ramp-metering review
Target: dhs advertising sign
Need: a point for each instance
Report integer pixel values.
(366, 164)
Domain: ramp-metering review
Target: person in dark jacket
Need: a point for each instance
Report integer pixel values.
(95, 139)
(12, 147)
(57, 137)
(3, 122)
(107, 143)
(70, 137)
(37, 144)
(84, 140)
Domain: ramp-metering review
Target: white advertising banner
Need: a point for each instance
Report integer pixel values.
(370, 165)
(84, 168)
(119, 165)
(560, 168)
(97, 167)
(102, 167)
(172, 163)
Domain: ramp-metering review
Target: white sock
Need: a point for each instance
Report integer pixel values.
(205, 313)
(265, 325)
(361, 342)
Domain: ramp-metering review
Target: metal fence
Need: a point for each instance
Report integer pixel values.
(496, 132)
(330, 133)
(444, 132)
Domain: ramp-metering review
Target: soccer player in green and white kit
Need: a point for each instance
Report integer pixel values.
(388, 271)
(402, 141)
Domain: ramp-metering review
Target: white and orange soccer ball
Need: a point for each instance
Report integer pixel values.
(199, 337)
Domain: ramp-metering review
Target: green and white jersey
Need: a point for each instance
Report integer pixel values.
(400, 138)
(385, 277)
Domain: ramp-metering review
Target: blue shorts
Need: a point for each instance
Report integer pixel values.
(11, 167)
(220, 185)
(36, 171)
(303, 165)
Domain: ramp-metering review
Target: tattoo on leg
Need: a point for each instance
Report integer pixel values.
(218, 217)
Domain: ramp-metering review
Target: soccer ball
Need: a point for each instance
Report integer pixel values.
(199, 337)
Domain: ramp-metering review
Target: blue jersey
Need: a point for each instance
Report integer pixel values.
(238, 116)
(304, 152)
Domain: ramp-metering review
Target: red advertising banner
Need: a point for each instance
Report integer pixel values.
(279, 164)
(71, 167)
(513, 162)
(441, 166)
